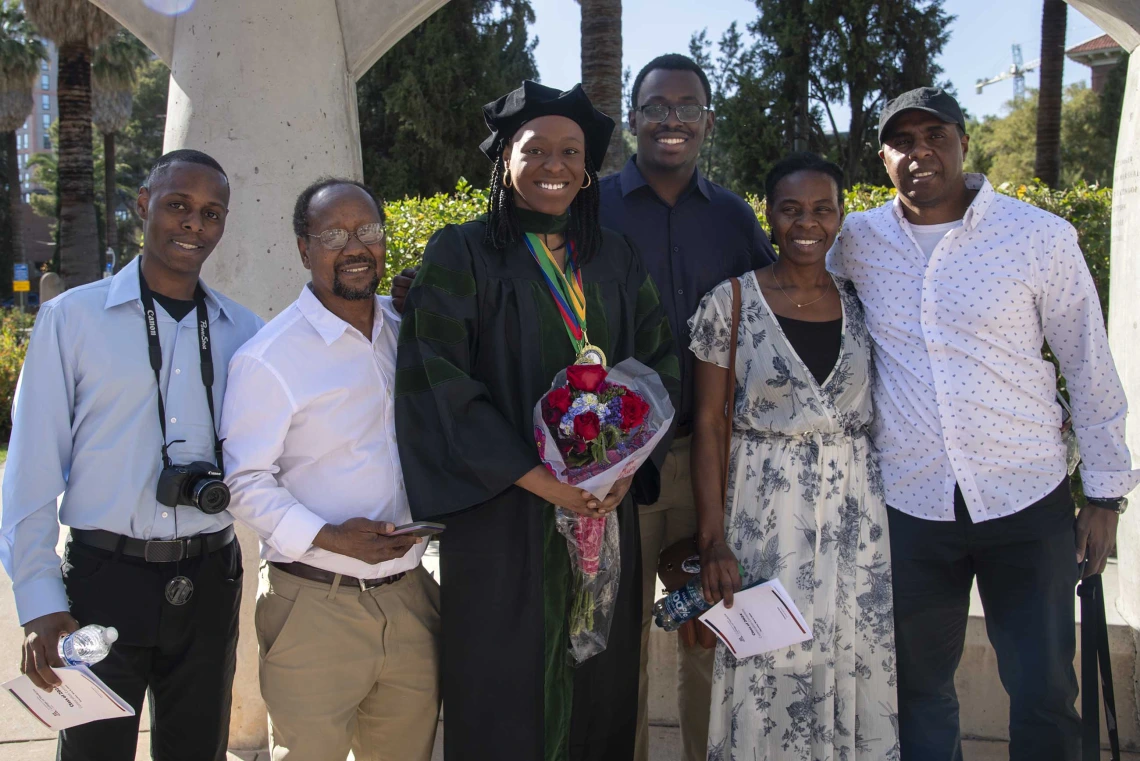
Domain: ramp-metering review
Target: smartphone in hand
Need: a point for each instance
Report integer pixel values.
(419, 528)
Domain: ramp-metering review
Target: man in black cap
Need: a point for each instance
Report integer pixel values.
(961, 287)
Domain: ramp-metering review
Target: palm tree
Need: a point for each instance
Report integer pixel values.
(114, 72)
(20, 55)
(76, 26)
(601, 70)
(1047, 164)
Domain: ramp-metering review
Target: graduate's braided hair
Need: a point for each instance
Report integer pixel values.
(585, 227)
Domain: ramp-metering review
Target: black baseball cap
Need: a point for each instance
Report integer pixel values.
(932, 100)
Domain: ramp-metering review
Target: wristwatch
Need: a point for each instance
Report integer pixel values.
(1116, 504)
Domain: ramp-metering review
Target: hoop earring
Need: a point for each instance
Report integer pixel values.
(506, 178)
(589, 181)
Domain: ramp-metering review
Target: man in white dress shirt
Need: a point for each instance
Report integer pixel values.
(961, 287)
(347, 620)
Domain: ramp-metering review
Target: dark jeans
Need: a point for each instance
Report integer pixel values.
(1026, 569)
(184, 655)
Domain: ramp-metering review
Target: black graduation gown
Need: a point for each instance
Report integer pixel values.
(480, 343)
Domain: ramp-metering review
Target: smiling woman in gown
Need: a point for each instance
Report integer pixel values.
(481, 342)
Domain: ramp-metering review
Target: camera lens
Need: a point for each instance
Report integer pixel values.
(211, 495)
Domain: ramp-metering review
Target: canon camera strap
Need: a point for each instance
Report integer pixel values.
(1095, 661)
(206, 362)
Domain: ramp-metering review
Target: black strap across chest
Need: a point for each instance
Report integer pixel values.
(206, 362)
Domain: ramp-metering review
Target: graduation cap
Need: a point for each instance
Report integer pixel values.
(506, 115)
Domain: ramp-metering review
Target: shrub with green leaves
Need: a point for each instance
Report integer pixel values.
(1087, 208)
(14, 329)
(412, 221)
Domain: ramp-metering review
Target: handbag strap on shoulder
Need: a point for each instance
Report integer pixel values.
(730, 386)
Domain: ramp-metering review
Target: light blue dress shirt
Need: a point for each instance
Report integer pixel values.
(85, 425)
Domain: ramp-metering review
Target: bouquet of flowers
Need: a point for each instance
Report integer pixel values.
(594, 427)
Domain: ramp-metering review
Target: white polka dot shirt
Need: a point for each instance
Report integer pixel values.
(962, 394)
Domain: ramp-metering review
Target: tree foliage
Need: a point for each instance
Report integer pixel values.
(21, 52)
(76, 26)
(419, 106)
(139, 146)
(1003, 147)
(773, 87)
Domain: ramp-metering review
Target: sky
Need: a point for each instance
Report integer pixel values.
(979, 46)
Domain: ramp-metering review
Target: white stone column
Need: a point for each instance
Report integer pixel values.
(1121, 19)
(267, 87)
(1124, 334)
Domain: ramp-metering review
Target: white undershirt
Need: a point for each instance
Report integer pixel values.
(929, 236)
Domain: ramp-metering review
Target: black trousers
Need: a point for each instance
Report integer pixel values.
(184, 655)
(1026, 569)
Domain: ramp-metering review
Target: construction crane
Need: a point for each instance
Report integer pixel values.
(1016, 72)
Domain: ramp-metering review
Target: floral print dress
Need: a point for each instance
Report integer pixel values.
(806, 506)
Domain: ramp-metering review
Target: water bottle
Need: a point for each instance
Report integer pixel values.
(689, 601)
(88, 645)
(110, 268)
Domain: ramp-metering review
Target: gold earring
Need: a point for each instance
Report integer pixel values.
(506, 178)
(589, 181)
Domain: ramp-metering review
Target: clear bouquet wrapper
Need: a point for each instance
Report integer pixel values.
(594, 427)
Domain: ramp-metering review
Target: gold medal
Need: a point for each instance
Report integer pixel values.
(590, 355)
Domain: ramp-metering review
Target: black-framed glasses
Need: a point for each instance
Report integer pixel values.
(336, 238)
(659, 112)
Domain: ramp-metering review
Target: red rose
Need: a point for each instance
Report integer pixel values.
(587, 426)
(555, 405)
(585, 377)
(633, 411)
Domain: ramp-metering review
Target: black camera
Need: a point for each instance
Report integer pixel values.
(198, 484)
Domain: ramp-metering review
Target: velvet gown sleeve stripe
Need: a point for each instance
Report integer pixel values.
(456, 447)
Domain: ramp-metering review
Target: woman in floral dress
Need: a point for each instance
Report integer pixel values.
(805, 498)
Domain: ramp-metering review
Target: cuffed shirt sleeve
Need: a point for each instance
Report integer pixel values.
(1074, 327)
(39, 459)
(256, 416)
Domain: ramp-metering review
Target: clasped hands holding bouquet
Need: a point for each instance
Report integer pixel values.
(542, 483)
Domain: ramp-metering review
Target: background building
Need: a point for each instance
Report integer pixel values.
(1102, 54)
(35, 137)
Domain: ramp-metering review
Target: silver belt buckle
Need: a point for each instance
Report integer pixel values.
(164, 550)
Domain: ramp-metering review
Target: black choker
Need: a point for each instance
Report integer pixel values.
(543, 224)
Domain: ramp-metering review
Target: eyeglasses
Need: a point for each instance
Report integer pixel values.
(659, 112)
(336, 238)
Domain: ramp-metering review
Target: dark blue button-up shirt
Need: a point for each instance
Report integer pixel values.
(710, 235)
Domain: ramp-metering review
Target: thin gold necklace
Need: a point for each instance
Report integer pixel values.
(789, 298)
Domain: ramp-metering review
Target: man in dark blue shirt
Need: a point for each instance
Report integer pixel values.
(692, 234)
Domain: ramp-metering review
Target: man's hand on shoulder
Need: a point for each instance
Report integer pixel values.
(41, 648)
(364, 540)
(401, 284)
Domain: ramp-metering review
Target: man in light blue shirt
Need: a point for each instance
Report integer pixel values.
(113, 367)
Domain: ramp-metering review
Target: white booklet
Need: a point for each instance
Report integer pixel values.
(81, 698)
(762, 618)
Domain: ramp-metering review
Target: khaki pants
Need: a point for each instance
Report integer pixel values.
(671, 519)
(344, 669)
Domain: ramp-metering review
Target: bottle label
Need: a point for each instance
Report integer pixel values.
(686, 602)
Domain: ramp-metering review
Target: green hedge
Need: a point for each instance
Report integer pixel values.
(14, 329)
(1087, 207)
(412, 221)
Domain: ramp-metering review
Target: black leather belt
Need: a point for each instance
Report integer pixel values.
(154, 550)
(310, 573)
